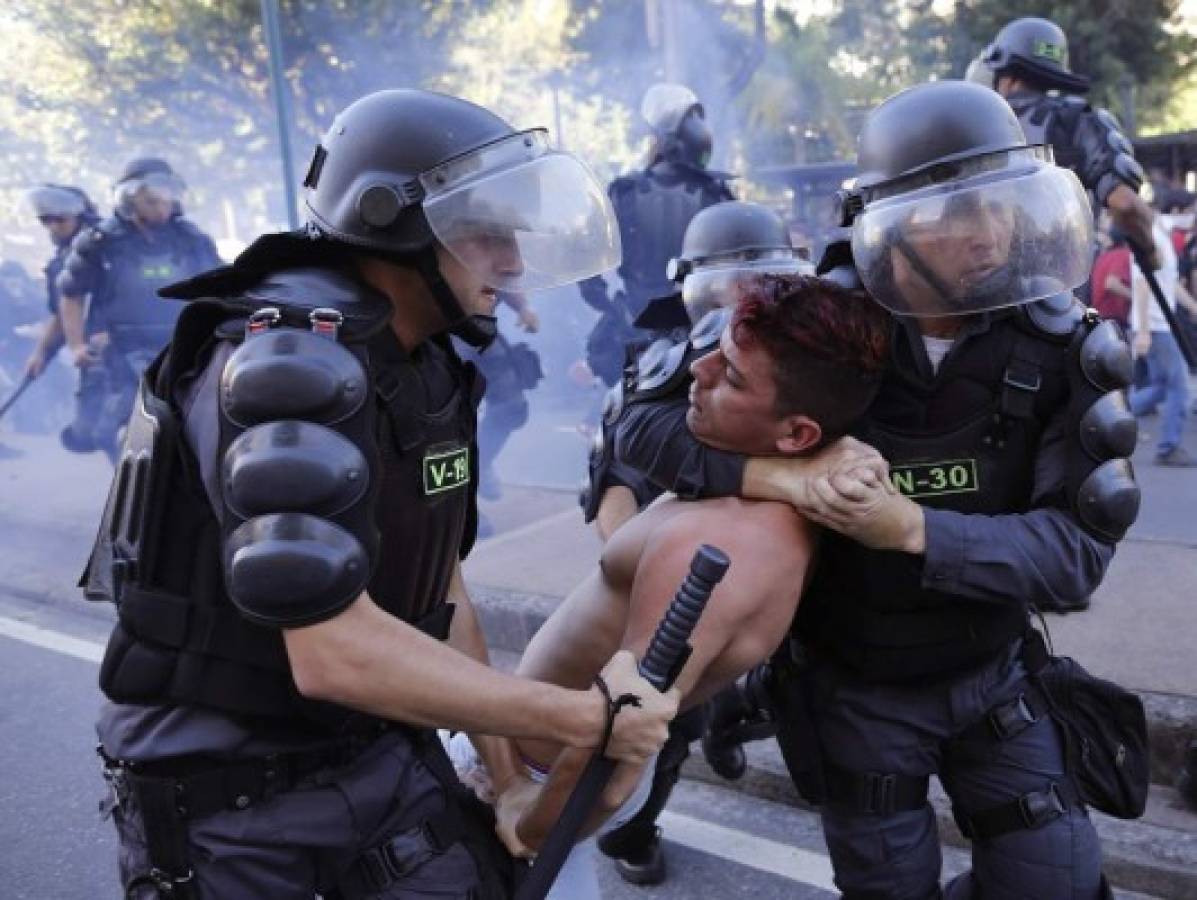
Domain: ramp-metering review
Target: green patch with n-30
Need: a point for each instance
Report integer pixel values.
(446, 470)
(953, 476)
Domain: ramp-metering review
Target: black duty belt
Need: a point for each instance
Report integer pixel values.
(204, 785)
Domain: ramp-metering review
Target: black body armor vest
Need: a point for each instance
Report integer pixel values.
(965, 440)
(185, 544)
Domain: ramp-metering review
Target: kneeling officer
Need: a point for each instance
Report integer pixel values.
(284, 533)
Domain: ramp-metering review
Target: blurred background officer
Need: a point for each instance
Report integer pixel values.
(653, 208)
(1027, 63)
(63, 211)
(113, 320)
(510, 370)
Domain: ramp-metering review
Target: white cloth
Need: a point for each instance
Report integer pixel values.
(937, 349)
(578, 878)
(1168, 275)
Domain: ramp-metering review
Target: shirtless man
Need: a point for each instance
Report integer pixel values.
(798, 363)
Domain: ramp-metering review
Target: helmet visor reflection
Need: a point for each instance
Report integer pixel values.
(974, 245)
(723, 285)
(538, 221)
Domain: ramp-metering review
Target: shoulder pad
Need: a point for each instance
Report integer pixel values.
(1056, 316)
(287, 373)
(89, 240)
(1105, 358)
(623, 183)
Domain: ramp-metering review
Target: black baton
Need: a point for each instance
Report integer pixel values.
(16, 395)
(1182, 339)
(667, 653)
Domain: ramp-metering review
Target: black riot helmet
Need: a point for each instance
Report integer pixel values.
(726, 244)
(955, 213)
(1031, 48)
(401, 171)
(679, 124)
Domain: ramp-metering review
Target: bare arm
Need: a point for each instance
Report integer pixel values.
(367, 659)
(70, 310)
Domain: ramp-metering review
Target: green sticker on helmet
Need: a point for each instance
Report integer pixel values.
(1048, 50)
(953, 476)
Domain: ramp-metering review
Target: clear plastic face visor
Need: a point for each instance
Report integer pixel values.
(1005, 230)
(521, 216)
(722, 285)
(157, 186)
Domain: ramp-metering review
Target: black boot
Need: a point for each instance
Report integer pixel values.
(637, 853)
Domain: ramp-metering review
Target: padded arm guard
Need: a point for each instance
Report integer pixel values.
(1107, 158)
(1101, 485)
(298, 471)
(81, 268)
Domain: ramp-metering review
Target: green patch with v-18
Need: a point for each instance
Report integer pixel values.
(953, 476)
(446, 470)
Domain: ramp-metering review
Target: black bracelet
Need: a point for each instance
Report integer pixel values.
(614, 705)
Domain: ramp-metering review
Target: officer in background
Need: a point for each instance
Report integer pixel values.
(653, 207)
(284, 533)
(1027, 63)
(1006, 429)
(725, 245)
(63, 210)
(510, 370)
(112, 318)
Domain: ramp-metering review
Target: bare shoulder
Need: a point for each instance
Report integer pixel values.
(773, 537)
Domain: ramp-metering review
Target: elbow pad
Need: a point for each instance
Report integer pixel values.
(1107, 158)
(1101, 484)
(298, 474)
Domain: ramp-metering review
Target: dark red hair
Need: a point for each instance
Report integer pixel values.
(829, 345)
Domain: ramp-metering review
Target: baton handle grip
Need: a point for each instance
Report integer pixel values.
(670, 643)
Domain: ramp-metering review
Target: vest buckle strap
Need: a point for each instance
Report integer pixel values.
(1008, 720)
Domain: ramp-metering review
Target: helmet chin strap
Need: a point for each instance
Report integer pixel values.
(478, 331)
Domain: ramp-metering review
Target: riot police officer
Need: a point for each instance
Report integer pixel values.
(116, 268)
(724, 246)
(1027, 63)
(63, 210)
(284, 533)
(653, 207)
(1006, 429)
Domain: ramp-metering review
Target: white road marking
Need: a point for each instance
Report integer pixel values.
(794, 863)
(742, 848)
(51, 640)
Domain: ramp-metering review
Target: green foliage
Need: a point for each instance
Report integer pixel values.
(87, 84)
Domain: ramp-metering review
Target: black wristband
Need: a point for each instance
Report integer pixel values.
(614, 705)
